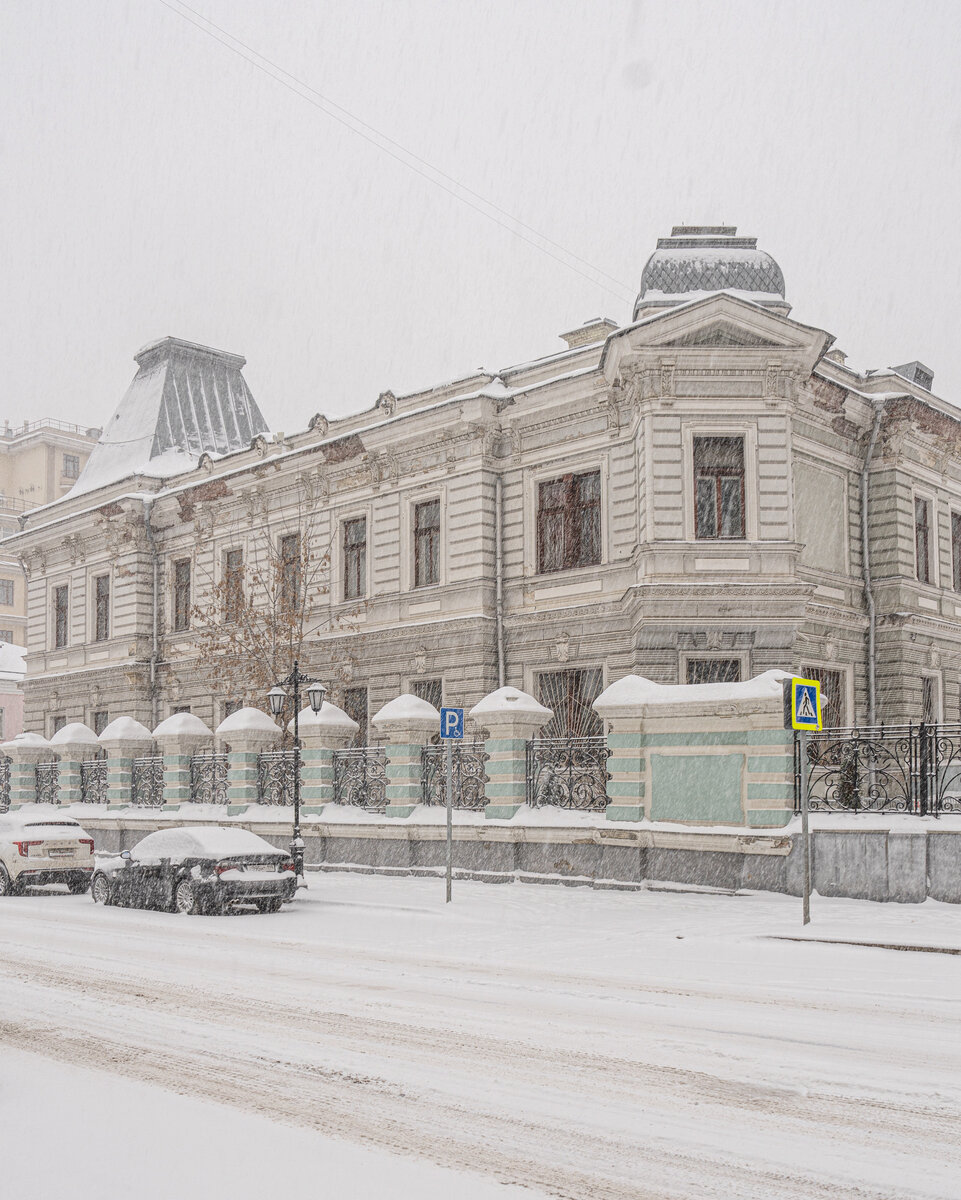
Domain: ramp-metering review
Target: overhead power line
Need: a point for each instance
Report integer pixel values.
(400, 153)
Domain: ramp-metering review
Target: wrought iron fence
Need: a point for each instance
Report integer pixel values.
(208, 778)
(360, 777)
(567, 772)
(48, 783)
(93, 781)
(4, 782)
(148, 781)
(467, 763)
(276, 776)
(897, 768)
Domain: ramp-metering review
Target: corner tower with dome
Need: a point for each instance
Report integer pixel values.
(703, 490)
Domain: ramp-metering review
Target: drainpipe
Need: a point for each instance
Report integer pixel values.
(155, 646)
(866, 558)
(499, 575)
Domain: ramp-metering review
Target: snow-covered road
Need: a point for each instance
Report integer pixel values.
(658, 1045)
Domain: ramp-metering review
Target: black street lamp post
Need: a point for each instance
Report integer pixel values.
(278, 698)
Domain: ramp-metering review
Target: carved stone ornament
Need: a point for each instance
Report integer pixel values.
(388, 402)
(610, 405)
(714, 639)
(830, 651)
(259, 443)
(934, 658)
(668, 378)
(562, 648)
(256, 503)
(206, 463)
(318, 423)
(772, 381)
(26, 566)
(75, 548)
(203, 521)
(420, 660)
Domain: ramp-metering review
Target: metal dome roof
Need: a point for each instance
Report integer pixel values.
(698, 259)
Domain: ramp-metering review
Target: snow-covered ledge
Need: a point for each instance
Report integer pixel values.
(409, 723)
(711, 753)
(512, 718)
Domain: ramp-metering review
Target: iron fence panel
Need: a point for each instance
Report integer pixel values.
(48, 783)
(147, 789)
(208, 778)
(568, 772)
(467, 763)
(276, 776)
(360, 777)
(4, 782)
(93, 781)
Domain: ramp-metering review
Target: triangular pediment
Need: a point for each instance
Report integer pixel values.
(721, 333)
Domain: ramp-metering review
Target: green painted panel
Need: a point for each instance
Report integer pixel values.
(624, 741)
(770, 737)
(624, 812)
(765, 763)
(517, 789)
(506, 766)
(625, 787)
(770, 791)
(506, 746)
(768, 817)
(696, 787)
(735, 737)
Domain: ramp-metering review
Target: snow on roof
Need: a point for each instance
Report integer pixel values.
(510, 700)
(407, 708)
(185, 400)
(12, 663)
(248, 720)
(76, 731)
(200, 841)
(180, 725)
(126, 729)
(31, 740)
(635, 690)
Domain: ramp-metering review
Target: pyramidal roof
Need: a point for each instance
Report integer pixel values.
(185, 400)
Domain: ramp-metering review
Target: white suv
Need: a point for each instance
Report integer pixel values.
(35, 850)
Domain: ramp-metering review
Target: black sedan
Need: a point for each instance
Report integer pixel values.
(204, 869)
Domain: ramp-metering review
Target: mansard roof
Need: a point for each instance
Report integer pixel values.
(184, 401)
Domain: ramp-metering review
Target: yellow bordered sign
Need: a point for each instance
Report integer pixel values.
(802, 704)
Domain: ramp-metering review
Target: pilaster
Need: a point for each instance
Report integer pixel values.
(320, 735)
(512, 718)
(409, 723)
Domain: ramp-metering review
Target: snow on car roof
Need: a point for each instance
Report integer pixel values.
(202, 841)
(10, 824)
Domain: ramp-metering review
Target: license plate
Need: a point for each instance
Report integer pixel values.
(60, 853)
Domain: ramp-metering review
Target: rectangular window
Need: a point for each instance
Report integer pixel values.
(61, 596)
(355, 558)
(102, 602)
(922, 538)
(956, 550)
(355, 706)
(929, 699)
(431, 690)
(182, 595)
(6, 591)
(427, 543)
(57, 723)
(713, 670)
(71, 466)
(569, 522)
(6, 635)
(570, 694)
(180, 708)
(290, 572)
(100, 722)
(719, 487)
(231, 706)
(832, 695)
(233, 585)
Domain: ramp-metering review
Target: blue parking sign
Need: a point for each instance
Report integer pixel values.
(452, 723)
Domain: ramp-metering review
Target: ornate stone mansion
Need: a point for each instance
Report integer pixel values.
(704, 493)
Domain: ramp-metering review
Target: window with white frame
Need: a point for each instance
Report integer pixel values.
(713, 670)
(6, 591)
(922, 538)
(569, 522)
(61, 616)
(355, 558)
(101, 622)
(426, 543)
(718, 487)
(832, 694)
(71, 466)
(930, 698)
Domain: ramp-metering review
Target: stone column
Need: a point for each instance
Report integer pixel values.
(248, 733)
(512, 718)
(74, 743)
(24, 752)
(180, 737)
(409, 724)
(320, 735)
(124, 740)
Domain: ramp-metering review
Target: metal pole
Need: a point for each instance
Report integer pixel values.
(805, 831)
(297, 846)
(449, 770)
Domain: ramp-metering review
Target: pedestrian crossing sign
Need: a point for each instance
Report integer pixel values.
(802, 704)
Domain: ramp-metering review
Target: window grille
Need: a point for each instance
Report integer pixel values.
(569, 522)
(719, 487)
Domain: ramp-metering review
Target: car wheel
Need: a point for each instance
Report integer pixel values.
(7, 885)
(78, 886)
(185, 897)
(269, 906)
(100, 889)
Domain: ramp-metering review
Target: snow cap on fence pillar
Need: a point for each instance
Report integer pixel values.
(248, 730)
(637, 697)
(183, 733)
(329, 729)
(76, 741)
(407, 719)
(127, 738)
(29, 748)
(509, 712)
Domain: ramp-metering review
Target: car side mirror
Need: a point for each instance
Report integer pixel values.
(126, 854)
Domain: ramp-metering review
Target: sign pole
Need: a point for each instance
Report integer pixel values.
(805, 831)
(449, 770)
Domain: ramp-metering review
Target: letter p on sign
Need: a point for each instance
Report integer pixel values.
(452, 723)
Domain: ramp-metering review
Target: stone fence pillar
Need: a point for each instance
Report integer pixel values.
(124, 740)
(512, 718)
(74, 743)
(409, 724)
(248, 733)
(24, 752)
(180, 737)
(320, 735)
(700, 754)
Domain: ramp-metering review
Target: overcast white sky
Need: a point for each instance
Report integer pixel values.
(153, 182)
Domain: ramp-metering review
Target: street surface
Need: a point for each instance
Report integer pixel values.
(659, 1045)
